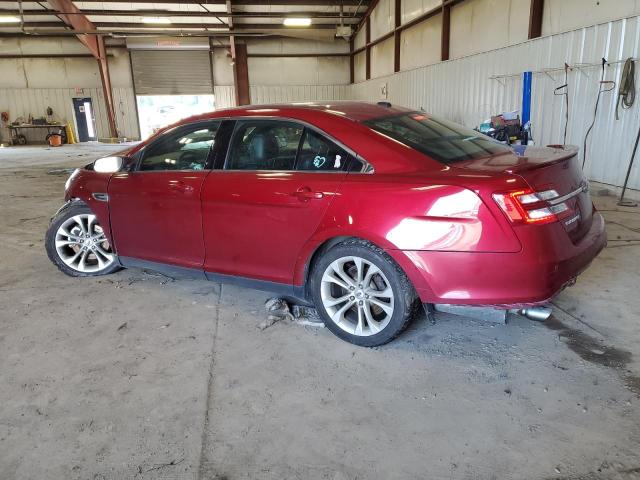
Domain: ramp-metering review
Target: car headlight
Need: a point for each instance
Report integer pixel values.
(71, 177)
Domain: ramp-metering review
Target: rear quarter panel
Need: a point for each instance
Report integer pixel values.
(412, 213)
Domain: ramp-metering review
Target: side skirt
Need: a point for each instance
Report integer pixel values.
(289, 292)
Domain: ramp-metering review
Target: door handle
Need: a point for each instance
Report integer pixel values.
(181, 187)
(305, 194)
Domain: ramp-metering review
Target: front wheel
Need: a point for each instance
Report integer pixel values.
(76, 243)
(362, 294)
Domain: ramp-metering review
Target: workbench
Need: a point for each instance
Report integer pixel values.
(18, 138)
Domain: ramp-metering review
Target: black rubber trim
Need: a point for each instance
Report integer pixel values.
(296, 293)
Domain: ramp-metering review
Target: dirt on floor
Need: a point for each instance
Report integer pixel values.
(140, 376)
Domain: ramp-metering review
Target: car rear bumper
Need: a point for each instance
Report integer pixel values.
(529, 277)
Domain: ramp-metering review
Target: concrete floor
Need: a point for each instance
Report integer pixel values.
(137, 376)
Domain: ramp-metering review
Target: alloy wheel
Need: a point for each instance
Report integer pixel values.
(357, 296)
(82, 245)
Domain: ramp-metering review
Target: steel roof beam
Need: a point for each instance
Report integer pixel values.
(174, 13)
(95, 44)
(178, 26)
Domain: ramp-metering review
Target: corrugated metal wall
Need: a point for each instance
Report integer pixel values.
(463, 90)
(22, 101)
(260, 94)
(297, 93)
(224, 96)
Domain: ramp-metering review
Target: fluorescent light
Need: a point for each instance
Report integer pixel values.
(157, 20)
(297, 22)
(8, 19)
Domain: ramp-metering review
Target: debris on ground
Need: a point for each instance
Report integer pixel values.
(307, 316)
(122, 327)
(61, 171)
(172, 463)
(166, 278)
(278, 309)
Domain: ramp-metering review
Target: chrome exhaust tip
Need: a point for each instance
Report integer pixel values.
(539, 314)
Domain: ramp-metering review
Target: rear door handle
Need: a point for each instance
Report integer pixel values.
(181, 187)
(305, 194)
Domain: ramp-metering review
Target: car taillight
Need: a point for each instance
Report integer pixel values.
(527, 206)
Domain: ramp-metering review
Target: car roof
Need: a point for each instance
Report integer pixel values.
(356, 111)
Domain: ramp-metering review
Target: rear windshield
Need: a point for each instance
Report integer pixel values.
(444, 141)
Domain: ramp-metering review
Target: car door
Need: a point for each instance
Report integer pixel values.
(155, 208)
(259, 210)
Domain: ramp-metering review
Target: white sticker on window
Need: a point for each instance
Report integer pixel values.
(336, 164)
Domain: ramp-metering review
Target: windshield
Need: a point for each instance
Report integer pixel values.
(444, 141)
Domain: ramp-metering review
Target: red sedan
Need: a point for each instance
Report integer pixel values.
(365, 210)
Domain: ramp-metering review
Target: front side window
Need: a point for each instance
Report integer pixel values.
(264, 145)
(444, 141)
(186, 148)
(317, 153)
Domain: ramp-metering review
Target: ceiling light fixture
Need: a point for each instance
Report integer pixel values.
(156, 20)
(297, 22)
(8, 19)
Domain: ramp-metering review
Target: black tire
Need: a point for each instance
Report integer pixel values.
(406, 301)
(69, 211)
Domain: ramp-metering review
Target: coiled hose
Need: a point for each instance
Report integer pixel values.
(627, 91)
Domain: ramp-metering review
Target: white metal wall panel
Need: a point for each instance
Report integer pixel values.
(360, 39)
(222, 68)
(224, 96)
(564, 15)
(382, 58)
(295, 45)
(463, 91)
(161, 72)
(482, 25)
(261, 94)
(420, 45)
(298, 70)
(20, 102)
(359, 67)
(382, 18)
(411, 9)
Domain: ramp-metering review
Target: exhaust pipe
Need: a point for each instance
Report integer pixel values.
(539, 314)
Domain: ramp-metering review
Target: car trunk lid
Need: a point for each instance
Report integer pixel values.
(547, 168)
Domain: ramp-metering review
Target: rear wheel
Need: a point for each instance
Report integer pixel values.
(77, 245)
(361, 294)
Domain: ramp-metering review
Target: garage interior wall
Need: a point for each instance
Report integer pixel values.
(276, 74)
(30, 85)
(286, 70)
(489, 39)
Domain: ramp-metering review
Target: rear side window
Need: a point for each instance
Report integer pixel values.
(264, 145)
(444, 141)
(318, 153)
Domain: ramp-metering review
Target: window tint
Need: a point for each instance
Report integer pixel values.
(356, 165)
(444, 141)
(186, 148)
(264, 145)
(317, 153)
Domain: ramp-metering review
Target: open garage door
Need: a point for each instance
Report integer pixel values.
(162, 72)
(170, 86)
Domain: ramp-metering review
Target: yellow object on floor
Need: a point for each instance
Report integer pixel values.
(71, 138)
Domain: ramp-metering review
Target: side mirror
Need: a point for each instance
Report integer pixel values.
(108, 164)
